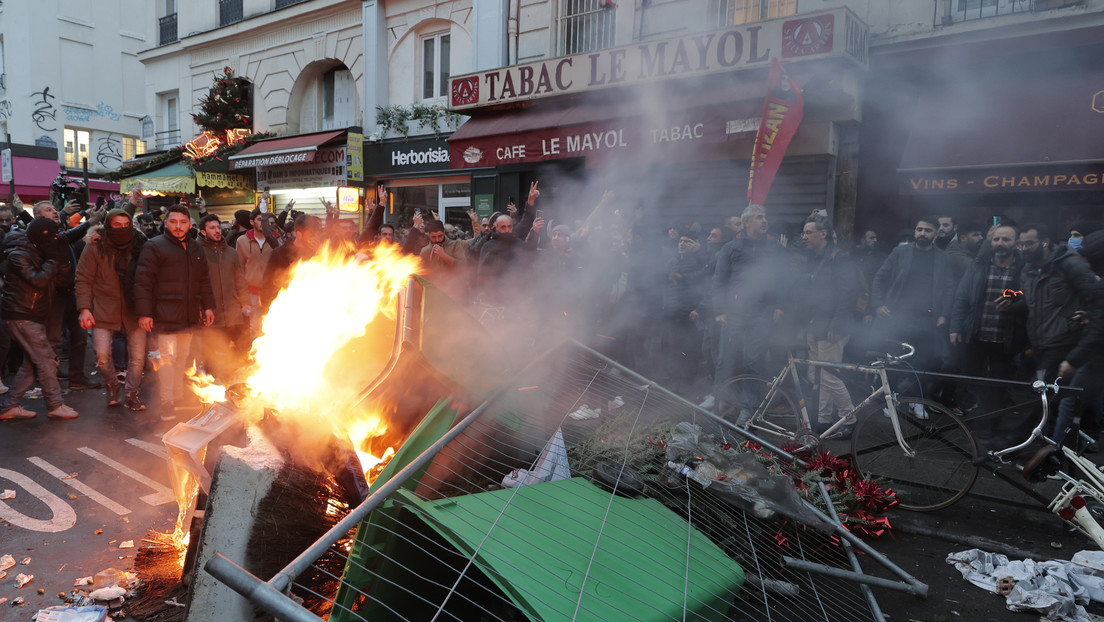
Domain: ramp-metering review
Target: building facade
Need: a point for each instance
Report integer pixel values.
(71, 88)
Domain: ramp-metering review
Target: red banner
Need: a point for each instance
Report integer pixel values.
(782, 112)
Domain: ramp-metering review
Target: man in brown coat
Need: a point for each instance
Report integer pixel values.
(225, 342)
(104, 284)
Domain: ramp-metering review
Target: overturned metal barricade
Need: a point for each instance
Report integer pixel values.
(528, 508)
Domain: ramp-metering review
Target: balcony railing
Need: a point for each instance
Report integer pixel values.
(285, 3)
(230, 12)
(585, 25)
(167, 139)
(167, 29)
(967, 10)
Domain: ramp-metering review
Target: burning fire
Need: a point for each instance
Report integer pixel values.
(329, 301)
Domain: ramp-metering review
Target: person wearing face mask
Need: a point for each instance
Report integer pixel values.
(104, 290)
(35, 260)
(1057, 283)
(985, 336)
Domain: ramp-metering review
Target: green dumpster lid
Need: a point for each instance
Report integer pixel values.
(539, 543)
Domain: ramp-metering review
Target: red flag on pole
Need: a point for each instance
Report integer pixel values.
(782, 112)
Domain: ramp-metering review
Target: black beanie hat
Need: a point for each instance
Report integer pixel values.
(241, 218)
(41, 230)
(1092, 247)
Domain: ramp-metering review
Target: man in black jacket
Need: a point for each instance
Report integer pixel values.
(172, 295)
(1057, 282)
(986, 336)
(35, 260)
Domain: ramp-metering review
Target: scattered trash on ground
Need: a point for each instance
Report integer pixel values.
(26, 561)
(82, 581)
(93, 613)
(127, 544)
(6, 562)
(23, 579)
(7, 494)
(1056, 589)
(72, 475)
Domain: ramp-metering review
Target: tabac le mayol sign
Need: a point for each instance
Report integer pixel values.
(749, 46)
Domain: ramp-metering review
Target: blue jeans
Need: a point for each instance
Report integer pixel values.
(136, 355)
(38, 360)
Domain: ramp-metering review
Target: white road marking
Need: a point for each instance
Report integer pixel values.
(64, 515)
(162, 494)
(87, 490)
(153, 448)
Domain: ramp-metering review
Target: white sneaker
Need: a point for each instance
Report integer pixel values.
(3, 388)
(709, 402)
(63, 412)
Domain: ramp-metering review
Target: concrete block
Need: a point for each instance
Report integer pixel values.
(242, 477)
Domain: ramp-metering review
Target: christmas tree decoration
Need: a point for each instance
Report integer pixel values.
(227, 105)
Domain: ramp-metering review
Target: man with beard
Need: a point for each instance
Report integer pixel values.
(828, 312)
(868, 256)
(912, 295)
(963, 249)
(104, 291)
(946, 229)
(1057, 283)
(7, 219)
(223, 342)
(747, 304)
(445, 260)
(172, 294)
(983, 331)
(34, 261)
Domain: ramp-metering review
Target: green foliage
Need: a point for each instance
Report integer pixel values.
(436, 118)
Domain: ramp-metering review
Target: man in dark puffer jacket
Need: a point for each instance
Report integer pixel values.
(33, 266)
(172, 295)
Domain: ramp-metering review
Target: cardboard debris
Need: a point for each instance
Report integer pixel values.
(127, 544)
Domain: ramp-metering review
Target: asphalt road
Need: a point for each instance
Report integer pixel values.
(103, 471)
(107, 471)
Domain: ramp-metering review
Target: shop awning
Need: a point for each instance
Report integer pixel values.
(652, 125)
(174, 178)
(33, 176)
(276, 151)
(999, 135)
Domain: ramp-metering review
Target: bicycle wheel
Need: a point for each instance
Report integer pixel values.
(749, 400)
(944, 467)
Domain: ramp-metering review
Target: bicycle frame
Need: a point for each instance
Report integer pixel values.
(882, 391)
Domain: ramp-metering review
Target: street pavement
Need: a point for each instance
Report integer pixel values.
(104, 471)
(107, 471)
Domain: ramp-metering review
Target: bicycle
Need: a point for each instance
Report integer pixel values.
(931, 470)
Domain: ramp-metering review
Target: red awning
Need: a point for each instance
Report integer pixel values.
(277, 151)
(33, 176)
(663, 123)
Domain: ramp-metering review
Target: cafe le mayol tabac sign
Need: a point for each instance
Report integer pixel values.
(749, 46)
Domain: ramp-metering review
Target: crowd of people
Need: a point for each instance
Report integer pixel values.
(690, 306)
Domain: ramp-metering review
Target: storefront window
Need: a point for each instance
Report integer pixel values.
(449, 201)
